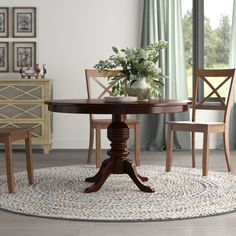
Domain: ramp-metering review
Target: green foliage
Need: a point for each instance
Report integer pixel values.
(216, 41)
(135, 63)
(188, 43)
(223, 40)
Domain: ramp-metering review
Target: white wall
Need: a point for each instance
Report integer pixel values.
(73, 35)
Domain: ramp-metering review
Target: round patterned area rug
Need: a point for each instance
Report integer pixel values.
(180, 194)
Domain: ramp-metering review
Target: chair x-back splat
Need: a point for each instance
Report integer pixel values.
(220, 85)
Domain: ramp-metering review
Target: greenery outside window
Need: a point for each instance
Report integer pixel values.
(207, 31)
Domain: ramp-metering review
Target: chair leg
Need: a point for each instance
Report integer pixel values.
(98, 147)
(29, 165)
(169, 148)
(227, 151)
(9, 165)
(193, 150)
(137, 145)
(90, 150)
(205, 158)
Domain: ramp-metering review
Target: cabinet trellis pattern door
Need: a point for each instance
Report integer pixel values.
(22, 105)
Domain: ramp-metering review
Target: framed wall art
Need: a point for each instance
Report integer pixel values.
(4, 22)
(24, 22)
(4, 56)
(24, 55)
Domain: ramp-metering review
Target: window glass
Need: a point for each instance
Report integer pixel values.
(217, 25)
(187, 31)
(217, 28)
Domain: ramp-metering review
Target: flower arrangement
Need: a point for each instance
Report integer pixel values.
(135, 63)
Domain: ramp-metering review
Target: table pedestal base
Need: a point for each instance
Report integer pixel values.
(118, 134)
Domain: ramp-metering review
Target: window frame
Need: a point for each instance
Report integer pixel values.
(198, 40)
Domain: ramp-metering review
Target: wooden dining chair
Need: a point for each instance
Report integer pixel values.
(7, 137)
(218, 95)
(97, 80)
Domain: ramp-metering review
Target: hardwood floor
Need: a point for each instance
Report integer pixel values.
(19, 225)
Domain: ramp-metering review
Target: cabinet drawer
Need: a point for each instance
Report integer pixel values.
(19, 92)
(19, 111)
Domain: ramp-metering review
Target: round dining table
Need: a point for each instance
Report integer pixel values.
(117, 132)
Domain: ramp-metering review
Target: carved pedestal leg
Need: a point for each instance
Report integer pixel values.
(98, 184)
(118, 134)
(96, 177)
(129, 168)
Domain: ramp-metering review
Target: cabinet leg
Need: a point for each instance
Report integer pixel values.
(47, 148)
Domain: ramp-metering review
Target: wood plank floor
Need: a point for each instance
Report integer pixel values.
(19, 225)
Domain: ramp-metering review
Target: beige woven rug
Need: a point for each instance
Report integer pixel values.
(180, 194)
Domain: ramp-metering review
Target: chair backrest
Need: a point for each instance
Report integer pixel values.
(98, 78)
(218, 91)
(97, 83)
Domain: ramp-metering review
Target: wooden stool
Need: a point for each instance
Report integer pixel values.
(7, 136)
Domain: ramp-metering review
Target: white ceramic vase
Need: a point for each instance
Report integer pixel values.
(140, 88)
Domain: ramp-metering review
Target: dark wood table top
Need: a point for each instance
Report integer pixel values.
(100, 106)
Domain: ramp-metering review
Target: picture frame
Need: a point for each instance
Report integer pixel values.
(24, 55)
(24, 22)
(4, 56)
(4, 22)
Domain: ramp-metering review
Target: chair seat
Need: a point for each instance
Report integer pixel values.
(8, 131)
(15, 133)
(195, 122)
(197, 126)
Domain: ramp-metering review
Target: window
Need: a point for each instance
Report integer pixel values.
(206, 35)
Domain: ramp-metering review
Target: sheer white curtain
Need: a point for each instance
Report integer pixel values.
(232, 64)
(162, 20)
